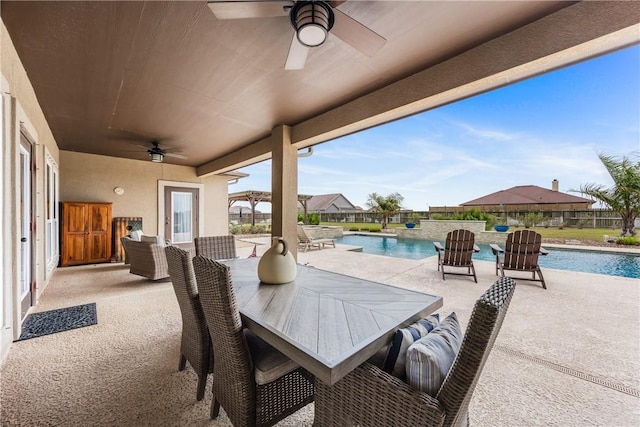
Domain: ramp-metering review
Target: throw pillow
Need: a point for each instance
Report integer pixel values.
(396, 356)
(136, 235)
(430, 358)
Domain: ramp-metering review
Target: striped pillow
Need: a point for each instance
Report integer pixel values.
(395, 361)
(430, 358)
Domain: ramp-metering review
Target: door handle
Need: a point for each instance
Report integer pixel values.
(23, 240)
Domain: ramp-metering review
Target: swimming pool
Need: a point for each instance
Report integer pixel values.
(611, 264)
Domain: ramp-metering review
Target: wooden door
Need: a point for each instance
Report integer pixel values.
(75, 231)
(99, 232)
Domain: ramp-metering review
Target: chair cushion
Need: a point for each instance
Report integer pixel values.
(268, 363)
(430, 358)
(396, 356)
(152, 239)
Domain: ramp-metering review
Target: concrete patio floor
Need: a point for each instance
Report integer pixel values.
(568, 355)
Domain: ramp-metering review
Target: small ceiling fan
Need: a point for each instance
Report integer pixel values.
(311, 20)
(157, 154)
(151, 145)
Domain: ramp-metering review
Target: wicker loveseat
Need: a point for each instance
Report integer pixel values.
(146, 259)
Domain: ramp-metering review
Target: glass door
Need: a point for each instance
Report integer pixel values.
(181, 214)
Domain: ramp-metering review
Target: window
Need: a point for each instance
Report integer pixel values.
(182, 217)
(52, 213)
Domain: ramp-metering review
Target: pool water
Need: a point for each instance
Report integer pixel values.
(611, 264)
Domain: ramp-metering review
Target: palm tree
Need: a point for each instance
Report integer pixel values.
(624, 196)
(387, 206)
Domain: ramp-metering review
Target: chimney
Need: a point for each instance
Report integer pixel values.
(554, 185)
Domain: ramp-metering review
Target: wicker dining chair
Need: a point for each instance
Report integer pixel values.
(371, 397)
(255, 384)
(216, 247)
(457, 252)
(195, 345)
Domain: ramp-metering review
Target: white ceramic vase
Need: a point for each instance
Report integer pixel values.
(277, 265)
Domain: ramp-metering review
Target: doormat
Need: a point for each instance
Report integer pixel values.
(59, 320)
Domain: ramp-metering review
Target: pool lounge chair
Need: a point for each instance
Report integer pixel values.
(305, 242)
(457, 251)
(521, 252)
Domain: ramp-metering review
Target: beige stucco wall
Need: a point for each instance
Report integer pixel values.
(82, 177)
(92, 178)
(21, 112)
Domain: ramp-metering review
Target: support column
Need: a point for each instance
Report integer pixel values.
(284, 187)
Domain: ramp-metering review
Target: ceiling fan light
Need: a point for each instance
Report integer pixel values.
(312, 21)
(312, 35)
(157, 157)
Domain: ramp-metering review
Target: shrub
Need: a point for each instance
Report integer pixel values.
(414, 217)
(364, 228)
(583, 222)
(312, 218)
(440, 217)
(531, 219)
(375, 229)
(249, 229)
(353, 228)
(628, 241)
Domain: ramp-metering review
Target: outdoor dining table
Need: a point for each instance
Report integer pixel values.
(328, 323)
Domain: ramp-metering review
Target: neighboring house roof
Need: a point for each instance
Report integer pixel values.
(325, 202)
(526, 194)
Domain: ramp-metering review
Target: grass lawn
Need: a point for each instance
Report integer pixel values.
(586, 234)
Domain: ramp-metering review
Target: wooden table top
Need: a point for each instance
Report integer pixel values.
(327, 322)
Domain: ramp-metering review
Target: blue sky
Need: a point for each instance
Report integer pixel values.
(529, 133)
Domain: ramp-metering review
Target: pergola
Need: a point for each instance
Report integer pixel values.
(255, 197)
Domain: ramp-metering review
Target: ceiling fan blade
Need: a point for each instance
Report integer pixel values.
(249, 9)
(297, 55)
(357, 35)
(176, 155)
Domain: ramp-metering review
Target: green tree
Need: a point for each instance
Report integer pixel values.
(624, 196)
(386, 206)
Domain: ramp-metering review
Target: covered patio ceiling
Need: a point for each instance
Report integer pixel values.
(113, 76)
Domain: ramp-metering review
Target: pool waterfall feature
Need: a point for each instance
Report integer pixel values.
(436, 230)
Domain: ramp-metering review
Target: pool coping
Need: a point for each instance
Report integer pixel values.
(586, 248)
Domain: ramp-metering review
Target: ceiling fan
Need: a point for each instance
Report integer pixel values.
(311, 20)
(151, 145)
(158, 154)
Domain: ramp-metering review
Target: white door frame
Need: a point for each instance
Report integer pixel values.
(26, 223)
